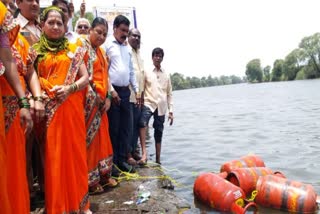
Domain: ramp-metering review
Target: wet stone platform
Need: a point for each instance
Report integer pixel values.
(149, 186)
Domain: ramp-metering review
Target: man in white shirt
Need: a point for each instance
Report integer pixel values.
(121, 75)
(157, 100)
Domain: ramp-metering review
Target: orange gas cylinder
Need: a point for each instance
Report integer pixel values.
(246, 178)
(220, 194)
(287, 195)
(245, 161)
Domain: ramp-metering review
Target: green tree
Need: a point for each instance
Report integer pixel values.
(210, 81)
(310, 46)
(277, 70)
(177, 81)
(254, 71)
(292, 64)
(195, 82)
(235, 79)
(204, 82)
(225, 80)
(266, 73)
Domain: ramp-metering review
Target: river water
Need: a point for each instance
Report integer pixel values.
(277, 121)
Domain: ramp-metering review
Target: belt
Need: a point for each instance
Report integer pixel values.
(120, 88)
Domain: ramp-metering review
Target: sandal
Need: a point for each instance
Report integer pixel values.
(96, 189)
(112, 183)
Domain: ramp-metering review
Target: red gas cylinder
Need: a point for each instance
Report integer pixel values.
(220, 194)
(245, 161)
(287, 195)
(246, 178)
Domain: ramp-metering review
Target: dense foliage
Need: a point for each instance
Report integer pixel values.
(301, 63)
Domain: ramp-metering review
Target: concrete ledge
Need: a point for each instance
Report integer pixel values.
(122, 199)
(162, 196)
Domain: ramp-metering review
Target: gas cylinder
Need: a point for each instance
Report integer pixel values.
(218, 193)
(287, 195)
(244, 161)
(246, 178)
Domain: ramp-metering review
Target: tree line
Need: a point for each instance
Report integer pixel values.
(301, 63)
(180, 82)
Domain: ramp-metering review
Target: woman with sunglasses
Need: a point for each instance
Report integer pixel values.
(82, 26)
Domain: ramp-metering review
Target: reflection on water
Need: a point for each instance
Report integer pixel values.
(278, 121)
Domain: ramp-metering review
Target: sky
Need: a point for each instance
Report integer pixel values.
(219, 37)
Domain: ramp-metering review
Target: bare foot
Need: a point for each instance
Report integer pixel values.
(143, 160)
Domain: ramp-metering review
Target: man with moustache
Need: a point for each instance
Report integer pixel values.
(28, 20)
(134, 40)
(121, 75)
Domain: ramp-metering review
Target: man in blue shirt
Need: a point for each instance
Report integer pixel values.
(121, 75)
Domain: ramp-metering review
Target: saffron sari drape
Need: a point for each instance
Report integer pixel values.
(66, 178)
(15, 137)
(5, 20)
(99, 147)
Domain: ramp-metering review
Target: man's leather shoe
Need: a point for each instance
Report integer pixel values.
(115, 172)
(124, 166)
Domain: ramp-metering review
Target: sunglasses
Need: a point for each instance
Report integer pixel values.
(83, 27)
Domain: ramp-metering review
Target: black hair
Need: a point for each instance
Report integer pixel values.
(56, 2)
(157, 51)
(120, 19)
(99, 21)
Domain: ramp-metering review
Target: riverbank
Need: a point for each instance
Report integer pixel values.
(149, 185)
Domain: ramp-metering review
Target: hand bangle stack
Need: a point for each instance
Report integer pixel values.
(23, 103)
(74, 87)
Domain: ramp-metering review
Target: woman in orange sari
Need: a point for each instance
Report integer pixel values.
(7, 65)
(99, 147)
(62, 76)
(15, 136)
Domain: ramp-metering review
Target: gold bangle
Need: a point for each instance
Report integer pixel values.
(38, 98)
(76, 86)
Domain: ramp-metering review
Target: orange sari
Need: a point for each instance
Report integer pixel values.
(66, 178)
(99, 147)
(16, 154)
(5, 20)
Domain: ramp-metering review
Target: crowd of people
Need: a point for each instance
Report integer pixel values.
(74, 105)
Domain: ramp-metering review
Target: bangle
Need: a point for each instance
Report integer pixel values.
(74, 87)
(38, 98)
(22, 99)
(23, 103)
(109, 96)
